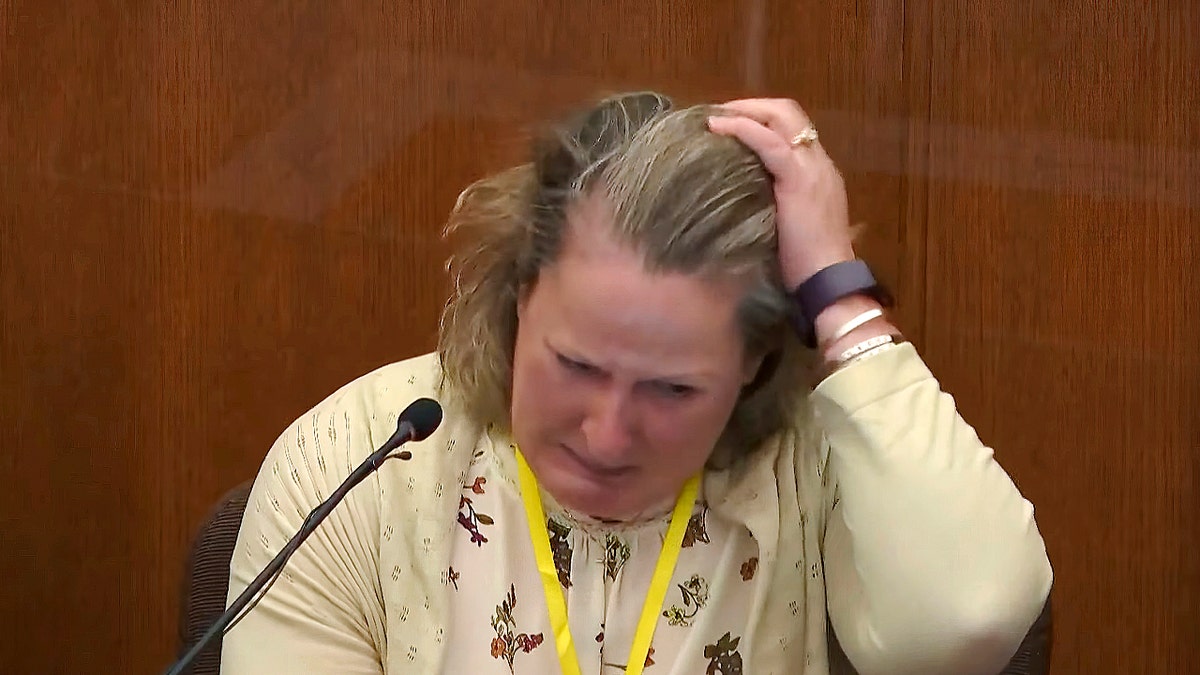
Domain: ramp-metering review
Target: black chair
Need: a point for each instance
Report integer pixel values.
(206, 578)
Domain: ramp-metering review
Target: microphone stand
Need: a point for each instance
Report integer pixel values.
(405, 432)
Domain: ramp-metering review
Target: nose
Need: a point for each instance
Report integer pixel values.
(607, 428)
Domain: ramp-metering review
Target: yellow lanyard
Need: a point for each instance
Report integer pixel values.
(557, 603)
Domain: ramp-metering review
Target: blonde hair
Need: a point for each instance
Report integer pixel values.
(686, 199)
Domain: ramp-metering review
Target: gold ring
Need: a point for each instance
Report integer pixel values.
(806, 137)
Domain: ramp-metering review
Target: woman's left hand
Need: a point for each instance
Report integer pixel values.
(812, 217)
(813, 221)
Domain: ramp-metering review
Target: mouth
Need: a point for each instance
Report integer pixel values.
(598, 470)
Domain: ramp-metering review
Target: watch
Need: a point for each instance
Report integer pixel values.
(826, 287)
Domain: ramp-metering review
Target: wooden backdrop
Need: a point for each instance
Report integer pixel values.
(213, 213)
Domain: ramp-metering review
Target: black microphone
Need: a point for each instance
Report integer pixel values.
(416, 423)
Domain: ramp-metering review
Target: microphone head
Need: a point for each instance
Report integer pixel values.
(424, 414)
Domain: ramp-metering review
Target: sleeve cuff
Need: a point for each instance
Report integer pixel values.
(860, 384)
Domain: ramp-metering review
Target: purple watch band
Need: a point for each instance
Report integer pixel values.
(827, 287)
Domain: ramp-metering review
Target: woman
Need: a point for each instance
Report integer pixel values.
(635, 471)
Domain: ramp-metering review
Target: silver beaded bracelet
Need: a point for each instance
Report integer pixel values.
(862, 348)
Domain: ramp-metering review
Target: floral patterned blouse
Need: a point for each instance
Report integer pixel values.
(427, 566)
(499, 620)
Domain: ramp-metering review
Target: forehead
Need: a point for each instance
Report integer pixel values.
(599, 300)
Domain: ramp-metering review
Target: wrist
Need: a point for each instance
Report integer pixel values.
(798, 270)
(834, 292)
(839, 314)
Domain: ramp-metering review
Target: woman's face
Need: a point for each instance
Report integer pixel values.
(622, 380)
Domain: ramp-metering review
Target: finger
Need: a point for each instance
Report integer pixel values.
(750, 132)
(783, 115)
(763, 102)
(776, 154)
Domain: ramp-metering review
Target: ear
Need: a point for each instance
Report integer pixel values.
(766, 362)
(523, 294)
(753, 367)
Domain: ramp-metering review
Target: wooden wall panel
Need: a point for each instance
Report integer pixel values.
(212, 214)
(1062, 242)
(215, 213)
(844, 63)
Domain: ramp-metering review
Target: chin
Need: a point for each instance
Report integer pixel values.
(604, 510)
(587, 497)
(607, 499)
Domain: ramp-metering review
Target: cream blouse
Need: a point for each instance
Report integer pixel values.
(604, 571)
(888, 518)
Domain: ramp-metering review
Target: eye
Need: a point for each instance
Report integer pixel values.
(673, 389)
(576, 366)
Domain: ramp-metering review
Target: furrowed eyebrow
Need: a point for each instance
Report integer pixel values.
(693, 380)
